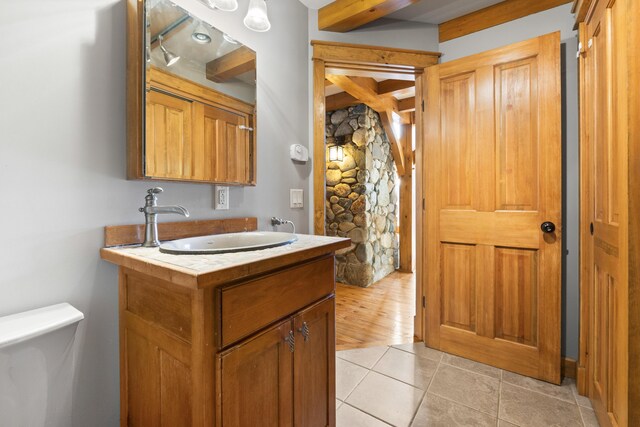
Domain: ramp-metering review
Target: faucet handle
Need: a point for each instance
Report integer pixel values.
(155, 190)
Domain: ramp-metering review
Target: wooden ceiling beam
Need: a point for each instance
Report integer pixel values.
(339, 101)
(491, 16)
(231, 65)
(407, 104)
(345, 15)
(396, 87)
(385, 106)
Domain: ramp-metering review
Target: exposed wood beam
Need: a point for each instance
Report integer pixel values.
(385, 106)
(319, 147)
(396, 148)
(406, 204)
(396, 87)
(491, 16)
(231, 65)
(345, 53)
(346, 15)
(364, 93)
(340, 100)
(407, 104)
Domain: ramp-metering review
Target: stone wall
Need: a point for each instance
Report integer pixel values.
(361, 198)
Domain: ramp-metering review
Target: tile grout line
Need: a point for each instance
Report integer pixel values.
(365, 412)
(474, 372)
(426, 391)
(362, 379)
(543, 394)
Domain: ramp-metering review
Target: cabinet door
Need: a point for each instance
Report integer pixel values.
(221, 146)
(168, 136)
(314, 366)
(256, 381)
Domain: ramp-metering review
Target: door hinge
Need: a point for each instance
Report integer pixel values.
(424, 301)
(423, 105)
(423, 204)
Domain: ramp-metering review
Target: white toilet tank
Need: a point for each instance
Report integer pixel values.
(36, 366)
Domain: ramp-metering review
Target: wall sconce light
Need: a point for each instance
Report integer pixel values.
(336, 153)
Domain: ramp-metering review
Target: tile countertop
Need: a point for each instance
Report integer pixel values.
(201, 271)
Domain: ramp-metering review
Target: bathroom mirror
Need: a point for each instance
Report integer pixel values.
(191, 95)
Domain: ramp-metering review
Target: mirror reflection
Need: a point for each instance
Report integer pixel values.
(188, 47)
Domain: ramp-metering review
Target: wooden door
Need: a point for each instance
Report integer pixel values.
(168, 136)
(314, 394)
(257, 383)
(493, 176)
(221, 147)
(605, 120)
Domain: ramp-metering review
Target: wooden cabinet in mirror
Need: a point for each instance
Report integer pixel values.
(191, 93)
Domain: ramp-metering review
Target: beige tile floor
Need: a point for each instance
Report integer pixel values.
(411, 385)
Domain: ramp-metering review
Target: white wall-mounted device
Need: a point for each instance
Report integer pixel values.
(221, 197)
(299, 152)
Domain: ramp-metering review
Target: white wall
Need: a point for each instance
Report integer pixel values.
(557, 19)
(62, 163)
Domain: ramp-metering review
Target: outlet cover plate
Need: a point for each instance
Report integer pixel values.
(221, 197)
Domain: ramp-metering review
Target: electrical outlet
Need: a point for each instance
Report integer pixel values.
(296, 198)
(221, 201)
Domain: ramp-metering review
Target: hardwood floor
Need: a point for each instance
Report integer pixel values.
(381, 314)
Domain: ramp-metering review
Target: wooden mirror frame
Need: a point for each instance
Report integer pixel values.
(136, 108)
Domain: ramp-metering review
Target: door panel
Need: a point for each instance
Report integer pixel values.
(493, 162)
(606, 127)
(168, 137)
(314, 366)
(257, 381)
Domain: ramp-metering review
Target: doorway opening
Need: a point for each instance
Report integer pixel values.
(365, 125)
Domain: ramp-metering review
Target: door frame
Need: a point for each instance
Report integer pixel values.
(377, 60)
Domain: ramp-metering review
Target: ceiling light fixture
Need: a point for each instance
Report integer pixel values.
(200, 34)
(257, 19)
(224, 5)
(169, 57)
(229, 39)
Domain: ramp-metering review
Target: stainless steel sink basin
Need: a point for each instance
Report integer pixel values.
(231, 242)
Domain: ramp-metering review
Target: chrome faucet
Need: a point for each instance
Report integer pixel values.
(151, 210)
(279, 221)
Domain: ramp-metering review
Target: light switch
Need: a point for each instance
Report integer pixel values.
(296, 198)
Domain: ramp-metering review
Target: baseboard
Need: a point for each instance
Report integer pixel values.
(569, 368)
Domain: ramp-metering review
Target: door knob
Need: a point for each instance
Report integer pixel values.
(548, 227)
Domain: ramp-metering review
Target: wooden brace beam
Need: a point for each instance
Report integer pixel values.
(385, 106)
(346, 15)
(491, 16)
(231, 65)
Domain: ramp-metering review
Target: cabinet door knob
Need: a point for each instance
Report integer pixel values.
(291, 340)
(304, 330)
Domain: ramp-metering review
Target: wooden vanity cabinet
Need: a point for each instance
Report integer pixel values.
(253, 352)
(281, 378)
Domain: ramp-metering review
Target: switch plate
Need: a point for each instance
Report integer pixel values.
(221, 197)
(296, 198)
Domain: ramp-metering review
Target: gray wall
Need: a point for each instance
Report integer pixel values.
(557, 19)
(62, 163)
(383, 32)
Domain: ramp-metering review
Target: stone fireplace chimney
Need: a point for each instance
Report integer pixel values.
(361, 196)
